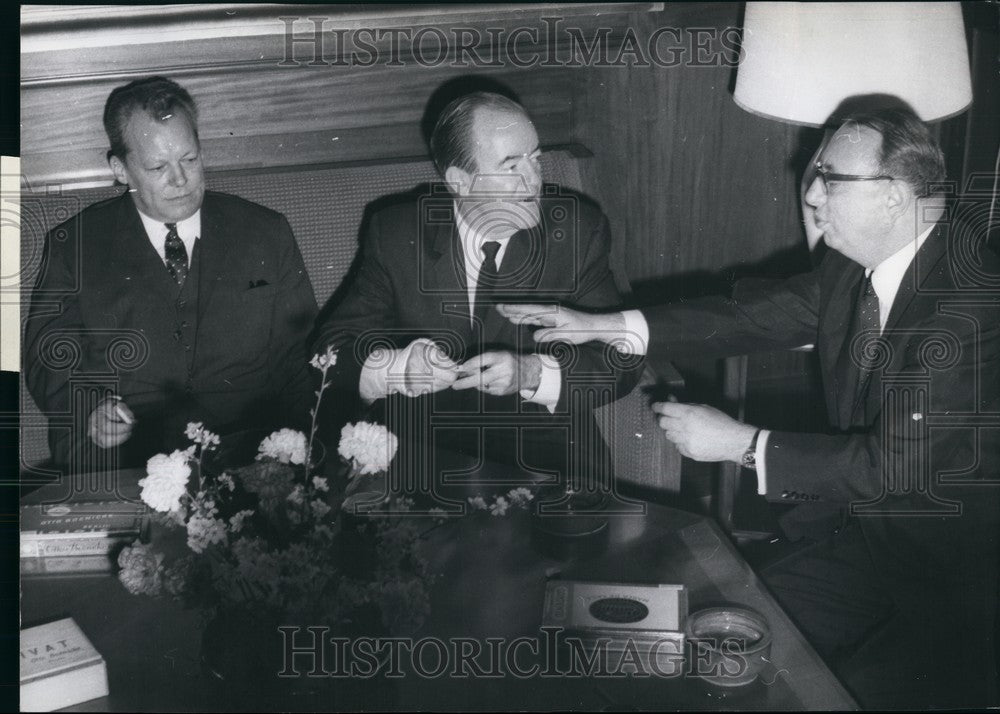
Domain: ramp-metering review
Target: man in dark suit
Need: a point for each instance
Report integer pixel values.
(174, 304)
(419, 326)
(901, 597)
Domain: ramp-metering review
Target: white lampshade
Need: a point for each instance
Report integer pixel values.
(801, 60)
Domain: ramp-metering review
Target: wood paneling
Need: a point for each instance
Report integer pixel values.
(695, 187)
(278, 117)
(259, 107)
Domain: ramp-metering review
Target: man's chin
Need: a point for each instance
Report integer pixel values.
(178, 209)
(503, 216)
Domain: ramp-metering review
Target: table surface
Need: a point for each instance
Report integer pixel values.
(490, 583)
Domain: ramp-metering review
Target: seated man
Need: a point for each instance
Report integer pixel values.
(418, 325)
(900, 595)
(168, 304)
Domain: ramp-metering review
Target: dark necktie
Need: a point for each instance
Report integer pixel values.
(869, 325)
(487, 281)
(176, 255)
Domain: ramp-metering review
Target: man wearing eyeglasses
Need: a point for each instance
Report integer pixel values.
(901, 598)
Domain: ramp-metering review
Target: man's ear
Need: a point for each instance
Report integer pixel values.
(897, 199)
(118, 169)
(459, 180)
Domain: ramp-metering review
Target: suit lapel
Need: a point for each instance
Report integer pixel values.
(213, 249)
(923, 265)
(512, 277)
(927, 260)
(446, 277)
(139, 258)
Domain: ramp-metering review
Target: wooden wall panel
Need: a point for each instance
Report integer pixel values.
(694, 186)
(278, 117)
(259, 108)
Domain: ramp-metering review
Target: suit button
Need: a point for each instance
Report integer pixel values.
(785, 494)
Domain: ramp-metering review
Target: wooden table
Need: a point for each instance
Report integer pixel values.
(491, 582)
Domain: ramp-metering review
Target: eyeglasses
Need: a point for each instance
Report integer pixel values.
(826, 176)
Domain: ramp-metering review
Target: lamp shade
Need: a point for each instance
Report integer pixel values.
(801, 60)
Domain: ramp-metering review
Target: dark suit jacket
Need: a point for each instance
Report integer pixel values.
(911, 450)
(228, 350)
(412, 284)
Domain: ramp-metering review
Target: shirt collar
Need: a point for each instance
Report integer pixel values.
(189, 229)
(888, 275)
(472, 242)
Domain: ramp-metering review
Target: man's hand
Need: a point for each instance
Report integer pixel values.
(111, 423)
(703, 433)
(566, 325)
(428, 369)
(499, 373)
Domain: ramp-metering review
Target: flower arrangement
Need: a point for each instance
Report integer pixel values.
(262, 536)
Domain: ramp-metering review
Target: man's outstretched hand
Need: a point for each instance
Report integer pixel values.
(561, 324)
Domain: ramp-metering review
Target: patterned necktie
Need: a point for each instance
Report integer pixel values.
(176, 254)
(869, 324)
(487, 281)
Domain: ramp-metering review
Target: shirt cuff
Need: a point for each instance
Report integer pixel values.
(636, 336)
(758, 459)
(384, 372)
(549, 385)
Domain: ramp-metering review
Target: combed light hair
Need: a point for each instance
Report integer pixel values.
(159, 97)
(909, 152)
(451, 140)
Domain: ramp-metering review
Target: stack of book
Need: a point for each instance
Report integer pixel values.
(81, 537)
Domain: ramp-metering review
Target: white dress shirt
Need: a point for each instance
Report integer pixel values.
(389, 376)
(189, 230)
(887, 276)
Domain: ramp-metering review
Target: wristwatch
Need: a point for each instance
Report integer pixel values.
(749, 460)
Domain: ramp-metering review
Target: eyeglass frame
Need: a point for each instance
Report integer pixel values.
(826, 175)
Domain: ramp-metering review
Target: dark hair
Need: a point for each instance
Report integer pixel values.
(159, 97)
(450, 141)
(909, 152)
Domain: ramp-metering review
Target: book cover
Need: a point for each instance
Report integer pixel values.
(75, 544)
(59, 667)
(67, 565)
(93, 516)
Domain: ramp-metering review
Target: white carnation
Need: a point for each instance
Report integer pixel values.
(166, 480)
(370, 446)
(286, 446)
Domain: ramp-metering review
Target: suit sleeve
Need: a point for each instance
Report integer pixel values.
(293, 380)
(367, 307)
(54, 308)
(56, 338)
(596, 291)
